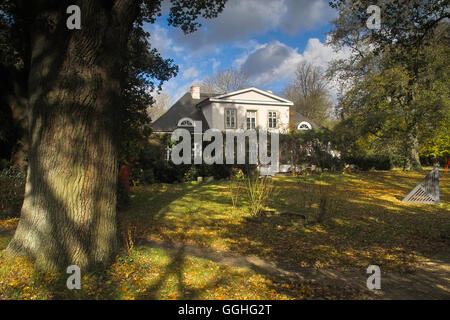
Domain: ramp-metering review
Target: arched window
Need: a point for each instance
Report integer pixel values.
(186, 122)
(304, 126)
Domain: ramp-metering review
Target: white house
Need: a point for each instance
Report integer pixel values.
(250, 108)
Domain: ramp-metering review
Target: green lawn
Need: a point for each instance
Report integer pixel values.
(366, 224)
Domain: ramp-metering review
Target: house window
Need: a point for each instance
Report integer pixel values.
(186, 122)
(304, 126)
(251, 120)
(273, 119)
(230, 119)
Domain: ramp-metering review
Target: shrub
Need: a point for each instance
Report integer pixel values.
(365, 163)
(12, 189)
(311, 147)
(259, 191)
(382, 162)
(235, 185)
(317, 200)
(327, 207)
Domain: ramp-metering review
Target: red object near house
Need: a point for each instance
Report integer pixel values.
(446, 167)
(124, 174)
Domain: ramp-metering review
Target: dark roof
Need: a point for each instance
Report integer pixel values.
(296, 118)
(186, 107)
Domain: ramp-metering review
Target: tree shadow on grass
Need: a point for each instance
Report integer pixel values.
(365, 230)
(176, 268)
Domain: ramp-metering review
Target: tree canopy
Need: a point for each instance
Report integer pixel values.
(395, 85)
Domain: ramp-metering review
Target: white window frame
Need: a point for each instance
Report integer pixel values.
(180, 123)
(234, 116)
(255, 112)
(269, 117)
(304, 123)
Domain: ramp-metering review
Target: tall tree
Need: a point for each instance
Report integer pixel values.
(225, 81)
(69, 84)
(145, 72)
(309, 93)
(377, 109)
(406, 28)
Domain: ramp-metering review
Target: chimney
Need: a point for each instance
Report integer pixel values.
(269, 91)
(195, 92)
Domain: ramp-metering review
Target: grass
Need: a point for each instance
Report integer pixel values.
(369, 225)
(366, 224)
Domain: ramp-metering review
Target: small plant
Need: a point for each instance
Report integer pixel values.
(259, 191)
(235, 186)
(128, 234)
(316, 199)
(306, 195)
(327, 207)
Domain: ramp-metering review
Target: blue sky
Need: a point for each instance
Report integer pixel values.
(264, 38)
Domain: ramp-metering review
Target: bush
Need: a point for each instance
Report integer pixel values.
(259, 191)
(327, 207)
(365, 163)
(235, 185)
(382, 162)
(12, 189)
(431, 161)
(311, 147)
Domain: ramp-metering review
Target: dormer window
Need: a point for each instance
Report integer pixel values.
(186, 122)
(304, 126)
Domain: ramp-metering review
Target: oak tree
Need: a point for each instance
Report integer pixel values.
(67, 85)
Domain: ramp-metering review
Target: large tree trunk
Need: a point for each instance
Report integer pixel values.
(68, 214)
(412, 154)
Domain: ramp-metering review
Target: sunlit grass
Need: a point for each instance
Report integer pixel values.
(369, 226)
(369, 215)
(155, 274)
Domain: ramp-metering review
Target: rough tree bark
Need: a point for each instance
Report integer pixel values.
(413, 157)
(68, 214)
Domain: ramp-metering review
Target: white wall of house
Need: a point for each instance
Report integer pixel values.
(242, 103)
(215, 115)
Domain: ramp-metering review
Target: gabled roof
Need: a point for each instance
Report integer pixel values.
(186, 107)
(227, 97)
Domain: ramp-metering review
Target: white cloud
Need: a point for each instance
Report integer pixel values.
(276, 62)
(160, 39)
(190, 73)
(215, 65)
(243, 18)
(305, 15)
(249, 48)
(320, 54)
(272, 62)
